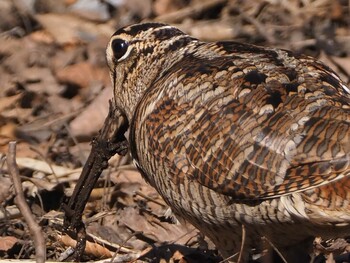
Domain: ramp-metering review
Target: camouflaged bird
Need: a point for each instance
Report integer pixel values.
(235, 136)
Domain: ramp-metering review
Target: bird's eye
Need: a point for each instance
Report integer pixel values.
(119, 47)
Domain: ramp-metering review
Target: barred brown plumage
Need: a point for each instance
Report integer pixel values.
(234, 134)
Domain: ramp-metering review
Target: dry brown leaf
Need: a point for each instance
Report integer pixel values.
(41, 36)
(98, 193)
(127, 175)
(91, 119)
(6, 102)
(3, 144)
(70, 29)
(336, 10)
(43, 184)
(82, 74)
(153, 228)
(10, 212)
(8, 130)
(5, 187)
(40, 80)
(69, 2)
(142, 9)
(44, 167)
(161, 7)
(133, 188)
(23, 148)
(211, 30)
(92, 10)
(7, 242)
(179, 257)
(91, 248)
(24, 115)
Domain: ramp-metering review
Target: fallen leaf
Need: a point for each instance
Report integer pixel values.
(5, 184)
(90, 121)
(7, 242)
(6, 102)
(153, 228)
(82, 74)
(70, 29)
(42, 166)
(91, 248)
(41, 36)
(8, 130)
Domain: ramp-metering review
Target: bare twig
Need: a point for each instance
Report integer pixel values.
(35, 229)
(150, 198)
(276, 249)
(240, 254)
(103, 242)
(124, 244)
(229, 258)
(240, 257)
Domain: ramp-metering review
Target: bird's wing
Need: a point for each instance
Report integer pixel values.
(249, 131)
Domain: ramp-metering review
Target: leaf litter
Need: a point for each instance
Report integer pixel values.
(54, 88)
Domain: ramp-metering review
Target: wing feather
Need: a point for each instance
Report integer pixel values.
(252, 137)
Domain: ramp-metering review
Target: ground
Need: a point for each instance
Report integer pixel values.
(54, 92)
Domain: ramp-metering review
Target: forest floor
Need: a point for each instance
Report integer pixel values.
(54, 93)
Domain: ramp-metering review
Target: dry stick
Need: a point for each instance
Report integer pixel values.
(34, 228)
(240, 257)
(276, 249)
(150, 198)
(229, 258)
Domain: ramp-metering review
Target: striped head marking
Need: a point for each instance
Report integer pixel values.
(137, 55)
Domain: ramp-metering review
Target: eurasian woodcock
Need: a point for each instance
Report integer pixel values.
(236, 138)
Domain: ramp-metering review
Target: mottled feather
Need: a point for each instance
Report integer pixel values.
(233, 134)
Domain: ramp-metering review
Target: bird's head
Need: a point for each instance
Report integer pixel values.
(137, 55)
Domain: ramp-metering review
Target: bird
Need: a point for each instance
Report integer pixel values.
(246, 143)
